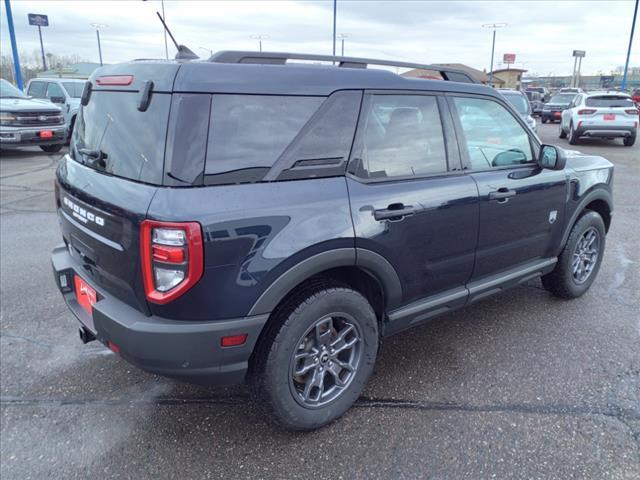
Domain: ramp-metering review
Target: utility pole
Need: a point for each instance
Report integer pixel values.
(14, 46)
(342, 36)
(335, 7)
(626, 65)
(494, 27)
(260, 38)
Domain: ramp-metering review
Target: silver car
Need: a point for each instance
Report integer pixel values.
(28, 122)
(520, 102)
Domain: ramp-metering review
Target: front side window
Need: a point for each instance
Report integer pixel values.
(37, 89)
(400, 136)
(248, 133)
(54, 90)
(494, 138)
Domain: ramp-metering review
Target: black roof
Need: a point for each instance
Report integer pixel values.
(212, 76)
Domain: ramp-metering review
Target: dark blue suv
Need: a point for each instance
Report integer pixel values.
(251, 219)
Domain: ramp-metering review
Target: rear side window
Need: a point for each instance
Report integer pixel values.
(399, 136)
(131, 143)
(609, 101)
(74, 89)
(248, 133)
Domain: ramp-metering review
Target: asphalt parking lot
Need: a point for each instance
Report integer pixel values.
(522, 385)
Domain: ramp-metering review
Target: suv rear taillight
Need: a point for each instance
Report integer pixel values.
(587, 111)
(172, 259)
(631, 111)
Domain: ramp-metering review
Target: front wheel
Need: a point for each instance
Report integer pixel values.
(544, 120)
(52, 148)
(580, 260)
(573, 135)
(629, 141)
(315, 357)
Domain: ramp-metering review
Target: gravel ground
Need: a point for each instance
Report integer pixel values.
(522, 385)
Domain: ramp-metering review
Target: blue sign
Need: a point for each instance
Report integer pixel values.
(38, 20)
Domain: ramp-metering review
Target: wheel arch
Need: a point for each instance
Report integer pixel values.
(599, 201)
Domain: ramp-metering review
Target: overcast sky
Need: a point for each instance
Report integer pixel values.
(541, 34)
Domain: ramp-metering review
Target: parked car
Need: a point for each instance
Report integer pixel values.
(26, 122)
(535, 100)
(541, 90)
(601, 114)
(65, 92)
(247, 219)
(570, 90)
(521, 104)
(552, 110)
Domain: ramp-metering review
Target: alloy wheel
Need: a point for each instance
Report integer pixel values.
(585, 255)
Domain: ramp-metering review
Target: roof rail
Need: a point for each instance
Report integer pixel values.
(280, 58)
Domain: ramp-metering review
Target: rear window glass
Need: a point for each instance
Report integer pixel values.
(519, 102)
(130, 142)
(249, 132)
(74, 89)
(609, 101)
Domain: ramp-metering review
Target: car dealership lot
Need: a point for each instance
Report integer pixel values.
(522, 385)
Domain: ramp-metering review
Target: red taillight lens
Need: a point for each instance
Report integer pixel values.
(115, 80)
(586, 111)
(631, 111)
(233, 340)
(172, 258)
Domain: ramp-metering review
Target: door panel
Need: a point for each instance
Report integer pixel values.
(523, 227)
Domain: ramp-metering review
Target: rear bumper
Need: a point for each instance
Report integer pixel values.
(25, 136)
(551, 115)
(188, 351)
(606, 131)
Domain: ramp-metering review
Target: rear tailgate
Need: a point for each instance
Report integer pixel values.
(610, 110)
(105, 185)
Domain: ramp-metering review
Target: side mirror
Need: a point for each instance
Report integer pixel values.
(552, 158)
(57, 99)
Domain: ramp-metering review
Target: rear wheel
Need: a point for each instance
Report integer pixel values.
(573, 135)
(579, 262)
(52, 148)
(315, 357)
(629, 141)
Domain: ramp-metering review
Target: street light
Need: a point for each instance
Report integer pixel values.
(207, 49)
(260, 38)
(494, 27)
(342, 36)
(166, 48)
(98, 27)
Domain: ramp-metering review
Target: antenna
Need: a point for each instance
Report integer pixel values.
(184, 53)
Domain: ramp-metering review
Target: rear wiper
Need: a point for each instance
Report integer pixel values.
(93, 158)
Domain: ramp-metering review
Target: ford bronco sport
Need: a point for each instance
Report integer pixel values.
(247, 218)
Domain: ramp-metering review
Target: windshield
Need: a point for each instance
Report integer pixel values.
(9, 91)
(563, 98)
(74, 89)
(519, 102)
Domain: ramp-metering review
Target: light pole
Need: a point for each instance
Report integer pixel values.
(99, 26)
(626, 65)
(207, 49)
(166, 49)
(335, 11)
(260, 38)
(342, 36)
(494, 27)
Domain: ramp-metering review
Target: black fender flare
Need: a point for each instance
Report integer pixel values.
(596, 194)
(373, 263)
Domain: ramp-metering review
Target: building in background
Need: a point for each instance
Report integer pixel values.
(587, 82)
(76, 70)
(478, 75)
(511, 78)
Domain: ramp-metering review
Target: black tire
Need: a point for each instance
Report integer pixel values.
(562, 133)
(629, 141)
(561, 281)
(272, 381)
(52, 148)
(573, 135)
(544, 120)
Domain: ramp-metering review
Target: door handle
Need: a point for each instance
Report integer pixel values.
(502, 195)
(394, 212)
